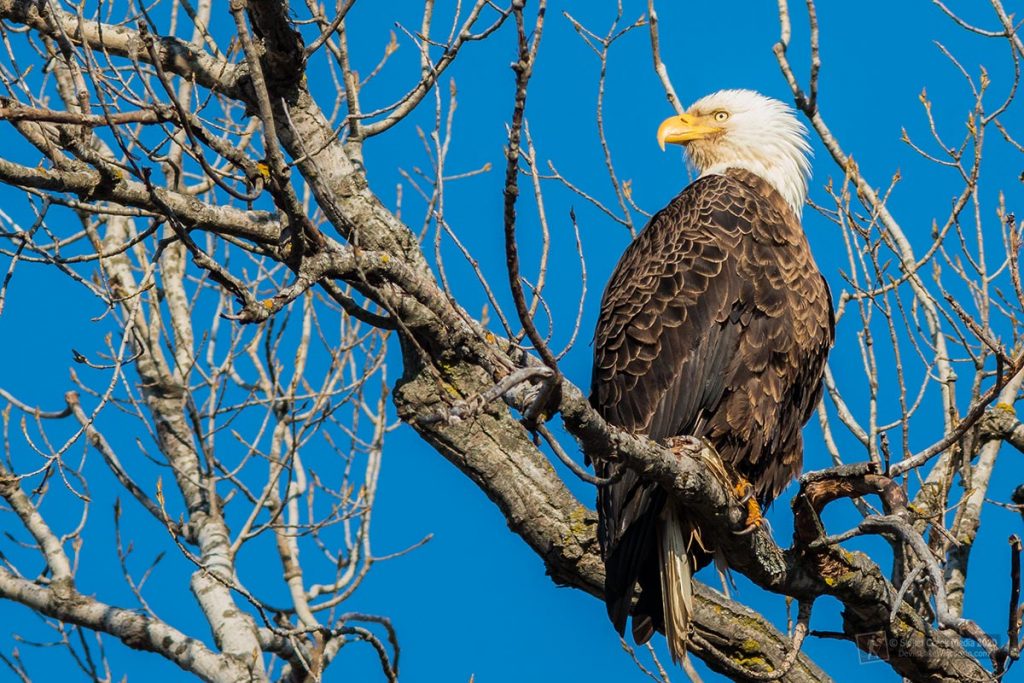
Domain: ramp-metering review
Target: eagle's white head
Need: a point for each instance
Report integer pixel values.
(745, 129)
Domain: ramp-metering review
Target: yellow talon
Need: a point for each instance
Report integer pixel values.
(745, 492)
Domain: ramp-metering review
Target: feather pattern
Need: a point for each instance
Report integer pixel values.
(716, 323)
(676, 580)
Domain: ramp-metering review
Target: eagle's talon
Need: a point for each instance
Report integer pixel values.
(745, 492)
(749, 529)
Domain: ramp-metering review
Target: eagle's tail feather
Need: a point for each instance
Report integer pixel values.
(643, 629)
(676, 580)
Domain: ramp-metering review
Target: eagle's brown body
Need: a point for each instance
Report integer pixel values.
(716, 323)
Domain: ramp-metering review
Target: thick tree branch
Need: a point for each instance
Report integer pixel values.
(492, 442)
(496, 452)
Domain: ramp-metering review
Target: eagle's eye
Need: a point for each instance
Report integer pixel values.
(721, 116)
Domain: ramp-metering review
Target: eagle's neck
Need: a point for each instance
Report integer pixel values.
(787, 173)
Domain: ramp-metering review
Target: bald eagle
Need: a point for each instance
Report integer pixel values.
(716, 323)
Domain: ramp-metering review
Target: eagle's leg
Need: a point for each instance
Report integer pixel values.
(745, 492)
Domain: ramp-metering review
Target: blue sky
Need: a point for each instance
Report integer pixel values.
(474, 601)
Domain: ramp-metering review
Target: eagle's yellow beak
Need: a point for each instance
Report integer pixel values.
(682, 129)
